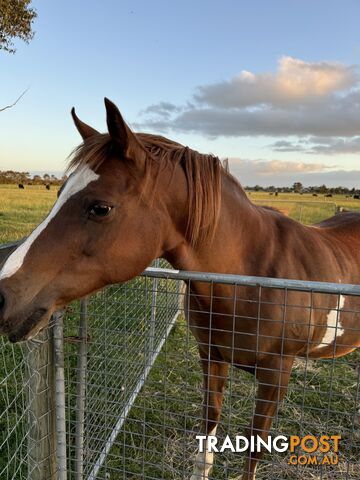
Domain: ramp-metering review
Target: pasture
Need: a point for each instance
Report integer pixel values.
(21, 210)
(174, 384)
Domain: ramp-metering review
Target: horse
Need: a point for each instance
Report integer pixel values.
(134, 197)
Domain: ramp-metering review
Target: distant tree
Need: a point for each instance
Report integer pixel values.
(16, 21)
(46, 177)
(37, 179)
(297, 187)
(323, 189)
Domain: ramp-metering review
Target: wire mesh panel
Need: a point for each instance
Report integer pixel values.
(136, 394)
(26, 446)
(142, 422)
(126, 330)
(156, 437)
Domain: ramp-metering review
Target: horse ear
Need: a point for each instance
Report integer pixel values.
(85, 130)
(118, 129)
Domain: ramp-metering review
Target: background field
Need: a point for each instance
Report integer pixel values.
(22, 210)
(170, 403)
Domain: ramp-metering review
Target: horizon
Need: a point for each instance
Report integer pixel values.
(280, 98)
(58, 174)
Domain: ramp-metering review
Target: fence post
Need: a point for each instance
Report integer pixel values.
(60, 419)
(81, 391)
(41, 439)
(154, 292)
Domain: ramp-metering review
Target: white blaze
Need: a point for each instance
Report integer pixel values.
(76, 182)
(334, 326)
(204, 461)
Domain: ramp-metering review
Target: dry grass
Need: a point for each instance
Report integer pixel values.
(22, 210)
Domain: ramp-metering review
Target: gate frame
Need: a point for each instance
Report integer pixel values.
(49, 450)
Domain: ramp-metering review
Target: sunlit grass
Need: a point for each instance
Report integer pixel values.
(22, 210)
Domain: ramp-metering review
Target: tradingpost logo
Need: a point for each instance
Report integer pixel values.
(314, 450)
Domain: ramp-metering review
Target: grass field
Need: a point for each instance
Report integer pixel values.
(157, 441)
(21, 210)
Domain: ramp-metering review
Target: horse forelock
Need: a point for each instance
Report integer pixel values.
(202, 171)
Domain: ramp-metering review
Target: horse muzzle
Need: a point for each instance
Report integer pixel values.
(24, 330)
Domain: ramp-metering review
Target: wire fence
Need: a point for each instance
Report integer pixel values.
(118, 392)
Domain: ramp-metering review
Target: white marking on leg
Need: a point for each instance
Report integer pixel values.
(204, 460)
(334, 326)
(254, 477)
(76, 182)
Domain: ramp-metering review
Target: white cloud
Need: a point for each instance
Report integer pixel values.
(271, 167)
(299, 99)
(295, 81)
(279, 174)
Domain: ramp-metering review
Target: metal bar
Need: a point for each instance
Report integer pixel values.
(81, 390)
(154, 292)
(122, 417)
(301, 285)
(58, 336)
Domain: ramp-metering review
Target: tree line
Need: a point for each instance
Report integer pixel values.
(25, 178)
(297, 187)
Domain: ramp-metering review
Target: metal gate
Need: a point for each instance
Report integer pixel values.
(117, 392)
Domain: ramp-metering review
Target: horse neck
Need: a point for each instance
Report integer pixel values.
(239, 220)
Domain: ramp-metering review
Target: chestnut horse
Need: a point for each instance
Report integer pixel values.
(135, 197)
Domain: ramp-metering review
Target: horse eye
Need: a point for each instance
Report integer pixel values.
(100, 210)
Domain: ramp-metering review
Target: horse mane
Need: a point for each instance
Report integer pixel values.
(203, 174)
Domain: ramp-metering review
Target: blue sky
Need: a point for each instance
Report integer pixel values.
(274, 85)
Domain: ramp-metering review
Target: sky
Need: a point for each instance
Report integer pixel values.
(272, 85)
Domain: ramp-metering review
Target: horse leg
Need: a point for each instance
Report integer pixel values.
(273, 382)
(215, 374)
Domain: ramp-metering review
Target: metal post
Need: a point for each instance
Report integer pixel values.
(155, 282)
(58, 336)
(41, 445)
(81, 390)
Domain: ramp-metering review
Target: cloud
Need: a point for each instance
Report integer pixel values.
(286, 146)
(295, 81)
(337, 146)
(299, 99)
(271, 167)
(320, 145)
(161, 108)
(279, 174)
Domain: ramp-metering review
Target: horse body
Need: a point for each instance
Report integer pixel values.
(133, 198)
(263, 331)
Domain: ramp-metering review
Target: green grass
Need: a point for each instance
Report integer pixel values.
(305, 208)
(22, 210)
(158, 438)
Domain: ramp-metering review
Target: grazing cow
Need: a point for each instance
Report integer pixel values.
(357, 197)
(328, 195)
(47, 187)
(314, 195)
(21, 186)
